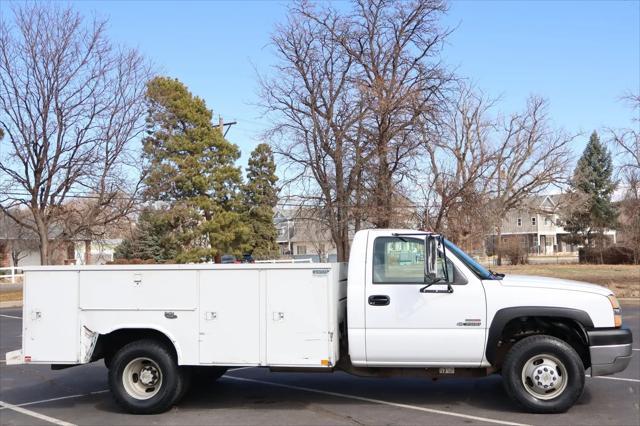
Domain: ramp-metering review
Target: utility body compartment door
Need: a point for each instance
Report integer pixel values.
(230, 317)
(51, 333)
(298, 327)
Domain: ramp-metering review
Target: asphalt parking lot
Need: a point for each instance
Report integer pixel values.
(36, 395)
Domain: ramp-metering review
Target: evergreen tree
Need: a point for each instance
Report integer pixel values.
(261, 197)
(191, 167)
(592, 183)
(152, 238)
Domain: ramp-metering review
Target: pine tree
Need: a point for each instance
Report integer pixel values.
(261, 197)
(152, 238)
(592, 182)
(191, 168)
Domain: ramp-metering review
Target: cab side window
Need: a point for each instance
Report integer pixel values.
(398, 260)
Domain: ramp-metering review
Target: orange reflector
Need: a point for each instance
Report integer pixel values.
(324, 362)
(617, 320)
(617, 312)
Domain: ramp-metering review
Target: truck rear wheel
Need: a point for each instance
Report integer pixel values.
(543, 374)
(144, 377)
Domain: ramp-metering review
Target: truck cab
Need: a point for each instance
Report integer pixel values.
(396, 321)
(540, 333)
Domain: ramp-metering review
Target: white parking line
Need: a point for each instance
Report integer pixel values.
(377, 401)
(10, 316)
(635, 349)
(42, 401)
(34, 414)
(624, 379)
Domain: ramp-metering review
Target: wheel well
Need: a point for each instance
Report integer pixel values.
(108, 344)
(566, 329)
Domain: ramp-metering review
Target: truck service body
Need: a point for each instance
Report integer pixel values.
(408, 302)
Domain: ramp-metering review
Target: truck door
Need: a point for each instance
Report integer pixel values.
(406, 327)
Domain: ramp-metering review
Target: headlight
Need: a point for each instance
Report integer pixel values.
(617, 311)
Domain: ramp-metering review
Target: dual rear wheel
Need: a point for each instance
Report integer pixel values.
(145, 378)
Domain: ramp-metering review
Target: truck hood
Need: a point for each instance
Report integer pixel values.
(552, 283)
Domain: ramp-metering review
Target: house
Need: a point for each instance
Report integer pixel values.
(301, 236)
(20, 246)
(284, 223)
(537, 225)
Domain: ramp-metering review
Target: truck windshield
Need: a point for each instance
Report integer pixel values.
(478, 269)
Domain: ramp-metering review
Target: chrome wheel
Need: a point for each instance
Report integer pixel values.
(544, 376)
(142, 378)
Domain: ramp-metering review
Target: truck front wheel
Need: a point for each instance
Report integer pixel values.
(543, 374)
(144, 377)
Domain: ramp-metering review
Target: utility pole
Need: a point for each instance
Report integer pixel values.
(221, 125)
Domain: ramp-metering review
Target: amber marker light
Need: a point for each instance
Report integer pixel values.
(617, 311)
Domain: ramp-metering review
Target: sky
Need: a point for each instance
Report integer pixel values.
(580, 55)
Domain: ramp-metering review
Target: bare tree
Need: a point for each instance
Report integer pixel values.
(70, 104)
(350, 92)
(628, 140)
(627, 144)
(395, 47)
(530, 157)
(460, 157)
(315, 111)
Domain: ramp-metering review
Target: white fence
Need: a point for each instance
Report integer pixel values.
(10, 275)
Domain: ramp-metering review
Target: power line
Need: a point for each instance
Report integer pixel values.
(280, 204)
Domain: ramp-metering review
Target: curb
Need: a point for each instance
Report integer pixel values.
(11, 304)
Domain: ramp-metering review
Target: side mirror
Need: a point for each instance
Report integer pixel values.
(433, 270)
(430, 258)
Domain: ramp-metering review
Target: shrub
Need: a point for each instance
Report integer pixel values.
(514, 250)
(612, 255)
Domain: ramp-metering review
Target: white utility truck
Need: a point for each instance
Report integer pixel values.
(411, 303)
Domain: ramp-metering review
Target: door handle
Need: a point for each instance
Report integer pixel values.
(379, 300)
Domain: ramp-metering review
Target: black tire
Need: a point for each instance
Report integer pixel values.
(107, 361)
(205, 375)
(162, 361)
(546, 351)
(186, 378)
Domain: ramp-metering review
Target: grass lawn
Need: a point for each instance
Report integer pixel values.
(10, 296)
(623, 280)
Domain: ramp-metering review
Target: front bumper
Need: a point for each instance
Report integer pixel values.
(610, 350)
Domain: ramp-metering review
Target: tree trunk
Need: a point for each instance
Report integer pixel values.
(499, 246)
(15, 257)
(345, 242)
(87, 252)
(358, 208)
(44, 250)
(43, 235)
(383, 194)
